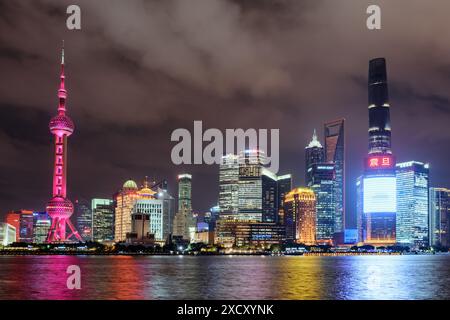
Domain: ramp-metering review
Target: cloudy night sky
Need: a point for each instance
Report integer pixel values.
(140, 69)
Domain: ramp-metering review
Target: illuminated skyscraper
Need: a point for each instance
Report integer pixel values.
(7, 234)
(379, 117)
(322, 182)
(250, 185)
(184, 222)
(60, 208)
(124, 201)
(377, 189)
(412, 204)
(284, 186)
(269, 184)
(228, 185)
(314, 153)
(102, 220)
(42, 224)
(300, 216)
(335, 153)
(83, 215)
(439, 214)
(168, 210)
(13, 219)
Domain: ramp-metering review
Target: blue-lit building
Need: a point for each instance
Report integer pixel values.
(412, 204)
(41, 224)
(350, 236)
(84, 221)
(334, 137)
(439, 215)
(377, 187)
(322, 182)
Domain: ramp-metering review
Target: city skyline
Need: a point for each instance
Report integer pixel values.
(125, 160)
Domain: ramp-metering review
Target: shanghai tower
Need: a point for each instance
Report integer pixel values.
(376, 188)
(60, 208)
(379, 119)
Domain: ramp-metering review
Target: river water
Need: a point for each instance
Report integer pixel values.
(228, 277)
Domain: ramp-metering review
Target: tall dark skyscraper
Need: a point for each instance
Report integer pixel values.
(314, 153)
(84, 220)
(379, 119)
(323, 184)
(284, 187)
(335, 153)
(376, 189)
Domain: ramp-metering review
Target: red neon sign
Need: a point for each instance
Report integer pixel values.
(380, 162)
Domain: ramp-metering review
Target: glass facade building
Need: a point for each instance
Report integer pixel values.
(335, 153)
(184, 221)
(412, 204)
(168, 211)
(439, 217)
(300, 216)
(323, 184)
(84, 220)
(229, 185)
(284, 186)
(377, 188)
(250, 189)
(7, 234)
(314, 153)
(103, 220)
(42, 224)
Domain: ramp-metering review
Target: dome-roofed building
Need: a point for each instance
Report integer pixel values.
(130, 185)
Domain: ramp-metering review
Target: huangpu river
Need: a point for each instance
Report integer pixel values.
(228, 277)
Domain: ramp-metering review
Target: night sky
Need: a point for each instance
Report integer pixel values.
(140, 69)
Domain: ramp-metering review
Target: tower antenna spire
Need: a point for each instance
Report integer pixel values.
(60, 208)
(62, 53)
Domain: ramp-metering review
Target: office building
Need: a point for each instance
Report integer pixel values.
(335, 153)
(284, 186)
(84, 220)
(13, 219)
(103, 220)
(300, 216)
(184, 222)
(228, 185)
(439, 215)
(169, 210)
(412, 204)
(314, 153)
(42, 224)
(124, 202)
(23, 222)
(250, 191)
(322, 182)
(7, 234)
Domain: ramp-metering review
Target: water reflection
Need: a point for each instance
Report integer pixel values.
(237, 277)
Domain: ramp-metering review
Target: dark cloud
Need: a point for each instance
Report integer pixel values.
(140, 69)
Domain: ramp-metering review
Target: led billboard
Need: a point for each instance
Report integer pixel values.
(380, 194)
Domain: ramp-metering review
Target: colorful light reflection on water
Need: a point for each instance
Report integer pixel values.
(238, 277)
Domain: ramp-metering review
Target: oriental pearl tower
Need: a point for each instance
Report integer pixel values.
(59, 208)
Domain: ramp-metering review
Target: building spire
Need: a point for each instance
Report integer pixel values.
(62, 53)
(62, 93)
(315, 141)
